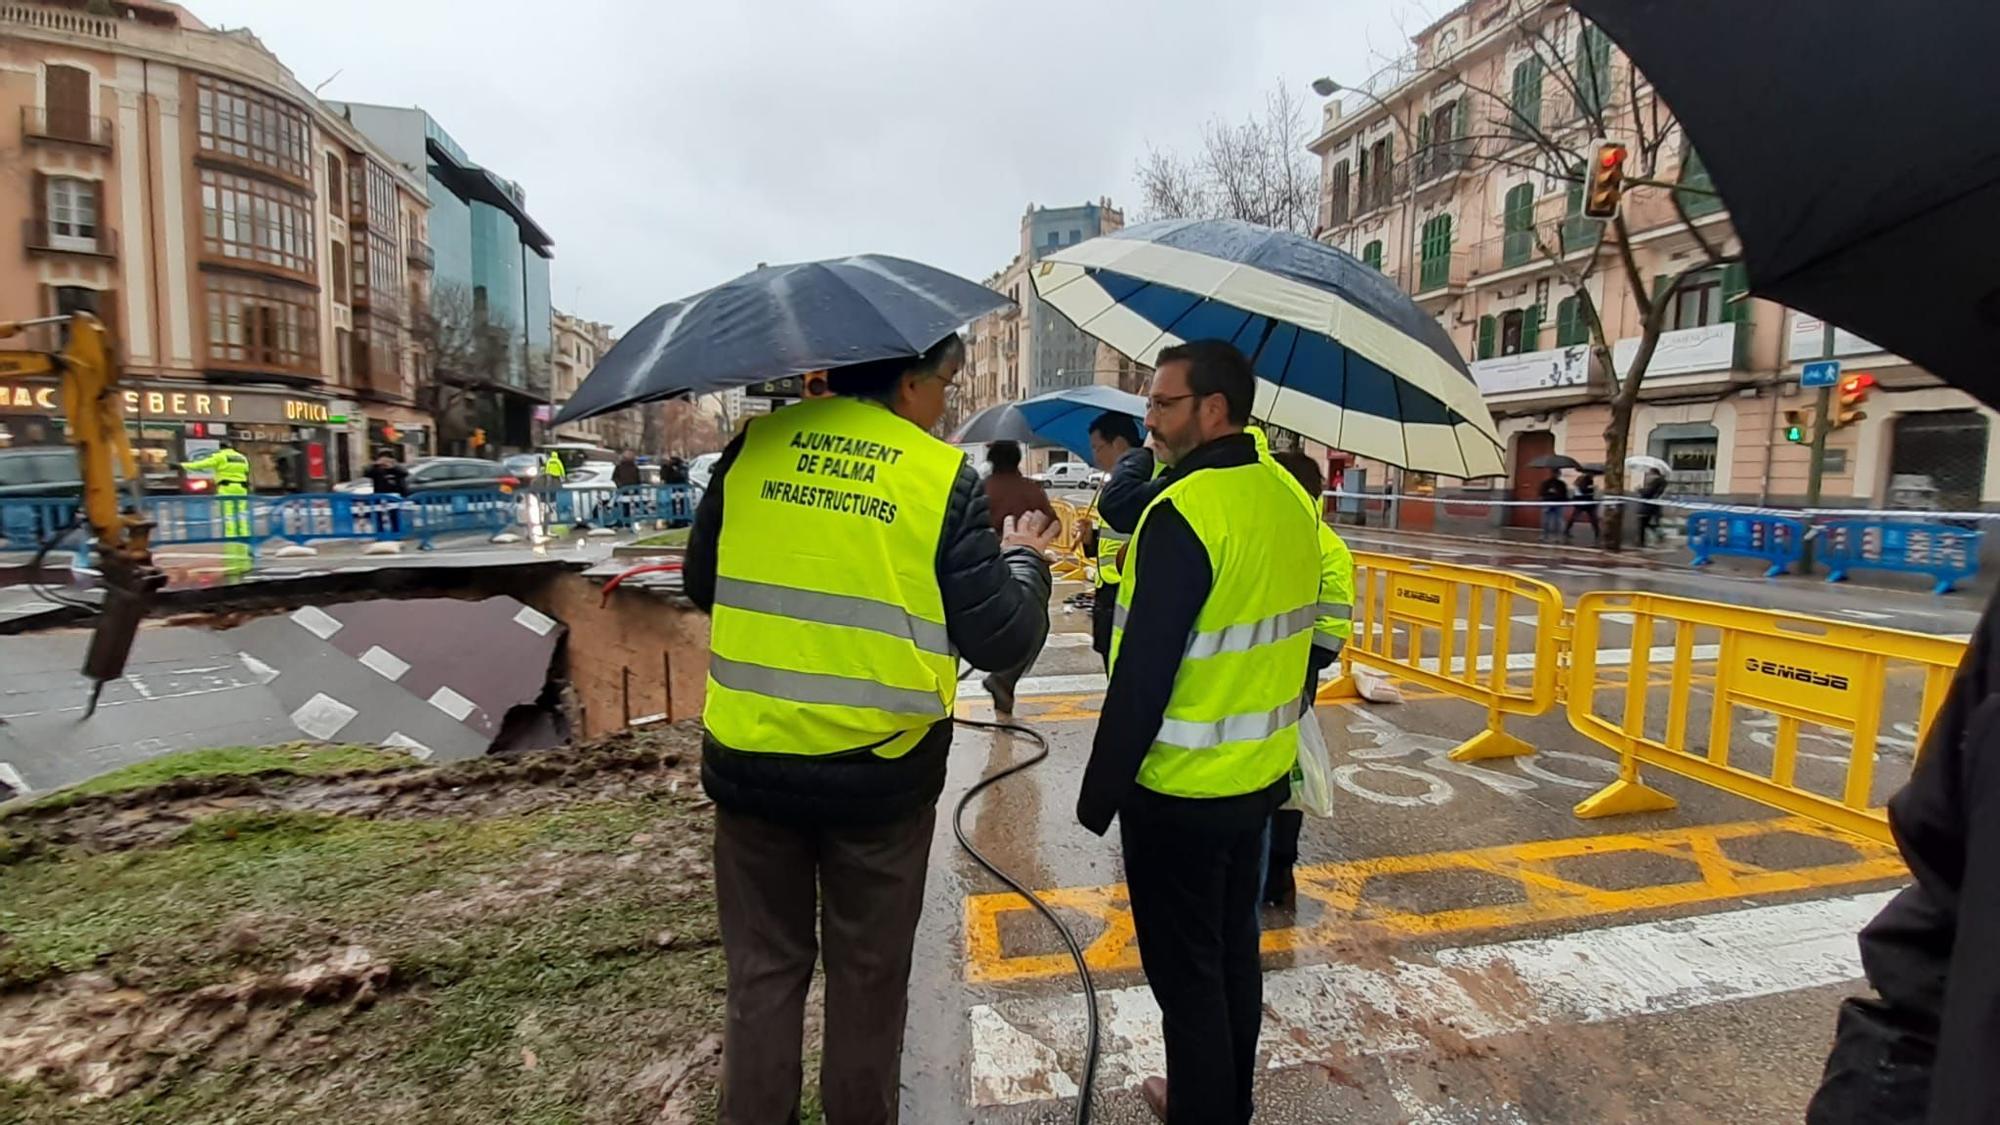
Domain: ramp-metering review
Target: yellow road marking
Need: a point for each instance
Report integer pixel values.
(1547, 895)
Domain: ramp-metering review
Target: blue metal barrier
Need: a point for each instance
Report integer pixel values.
(428, 515)
(27, 521)
(255, 520)
(1946, 553)
(1778, 540)
(618, 507)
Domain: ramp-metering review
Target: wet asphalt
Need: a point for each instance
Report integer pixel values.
(1446, 856)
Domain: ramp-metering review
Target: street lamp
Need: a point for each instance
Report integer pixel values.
(1326, 87)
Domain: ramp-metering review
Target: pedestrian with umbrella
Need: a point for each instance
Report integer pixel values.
(1583, 504)
(847, 561)
(1868, 227)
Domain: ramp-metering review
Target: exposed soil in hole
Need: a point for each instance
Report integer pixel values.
(621, 767)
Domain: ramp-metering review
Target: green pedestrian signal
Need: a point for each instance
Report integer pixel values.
(1795, 427)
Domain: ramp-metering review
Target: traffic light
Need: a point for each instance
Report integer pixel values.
(1853, 390)
(1606, 181)
(1795, 426)
(478, 439)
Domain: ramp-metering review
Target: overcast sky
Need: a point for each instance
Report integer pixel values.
(669, 146)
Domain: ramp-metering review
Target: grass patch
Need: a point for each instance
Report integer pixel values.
(540, 962)
(672, 537)
(299, 759)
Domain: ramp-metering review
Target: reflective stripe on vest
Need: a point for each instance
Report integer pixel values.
(828, 632)
(1231, 722)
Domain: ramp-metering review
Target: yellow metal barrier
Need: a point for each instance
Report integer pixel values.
(1801, 670)
(1071, 562)
(1448, 628)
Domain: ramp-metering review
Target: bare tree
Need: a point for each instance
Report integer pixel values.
(462, 353)
(1546, 127)
(1256, 170)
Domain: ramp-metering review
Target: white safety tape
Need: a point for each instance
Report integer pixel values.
(1669, 502)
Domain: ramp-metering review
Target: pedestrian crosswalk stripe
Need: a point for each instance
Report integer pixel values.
(1478, 992)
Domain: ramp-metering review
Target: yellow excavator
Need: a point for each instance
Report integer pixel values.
(94, 406)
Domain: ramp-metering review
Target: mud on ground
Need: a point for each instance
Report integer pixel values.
(512, 939)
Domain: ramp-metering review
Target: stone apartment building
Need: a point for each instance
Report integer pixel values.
(257, 259)
(1436, 175)
(579, 344)
(1032, 349)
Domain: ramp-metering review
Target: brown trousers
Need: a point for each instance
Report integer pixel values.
(868, 885)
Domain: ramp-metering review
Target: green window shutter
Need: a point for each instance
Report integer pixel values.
(1518, 223)
(1566, 323)
(1424, 131)
(1531, 329)
(1695, 174)
(1372, 254)
(1527, 96)
(1461, 122)
(1488, 328)
(1735, 283)
(1593, 66)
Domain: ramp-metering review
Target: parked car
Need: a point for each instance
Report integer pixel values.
(1072, 474)
(699, 471)
(442, 474)
(527, 466)
(51, 470)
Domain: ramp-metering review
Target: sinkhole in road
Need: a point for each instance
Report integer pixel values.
(444, 663)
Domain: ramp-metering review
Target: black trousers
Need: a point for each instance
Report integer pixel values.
(1194, 907)
(1104, 603)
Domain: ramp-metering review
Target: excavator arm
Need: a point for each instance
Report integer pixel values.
(94, 407)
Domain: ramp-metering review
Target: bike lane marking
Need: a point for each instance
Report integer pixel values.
(1545, 894)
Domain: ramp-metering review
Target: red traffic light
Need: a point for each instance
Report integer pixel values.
(1857, 382)
(1611, 155)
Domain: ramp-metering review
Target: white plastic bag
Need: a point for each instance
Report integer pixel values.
(1312, 773)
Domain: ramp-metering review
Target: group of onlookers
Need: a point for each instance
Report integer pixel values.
(1565, 505)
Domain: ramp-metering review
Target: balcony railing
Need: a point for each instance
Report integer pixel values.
(42, 236)
(1380, 189)
(40, 124)
(1441, 159)
(420, 254)
(61, 21)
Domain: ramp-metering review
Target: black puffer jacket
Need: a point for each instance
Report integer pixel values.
(996, 613)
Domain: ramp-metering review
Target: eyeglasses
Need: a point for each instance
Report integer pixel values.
(1161, 402)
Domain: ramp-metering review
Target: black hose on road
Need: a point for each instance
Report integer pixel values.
(1075, 948)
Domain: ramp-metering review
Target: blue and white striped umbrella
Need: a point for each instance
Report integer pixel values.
(1342, 355)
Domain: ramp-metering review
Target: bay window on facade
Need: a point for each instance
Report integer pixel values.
(241, 123)
(254, 221)
(262, 326)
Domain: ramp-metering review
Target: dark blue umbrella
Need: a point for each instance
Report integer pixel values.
(1342, 355)
(777, 321)
(1001, 422)
(1064, 416)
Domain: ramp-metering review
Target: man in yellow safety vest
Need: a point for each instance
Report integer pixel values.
(1199, 731)
(232, 479)
(1332, 628)
(1113, 438)
(848, 562)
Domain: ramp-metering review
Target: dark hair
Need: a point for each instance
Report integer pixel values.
(1004, 455)
(1112, 425)
(1215, 367)
(878, 378)
(1304, 469)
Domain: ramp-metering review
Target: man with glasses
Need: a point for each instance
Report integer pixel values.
(1194, 750)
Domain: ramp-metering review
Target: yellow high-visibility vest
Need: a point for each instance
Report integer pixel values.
(1231, 723)
(1111, 543)
(1334, 626)
(828, 632)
